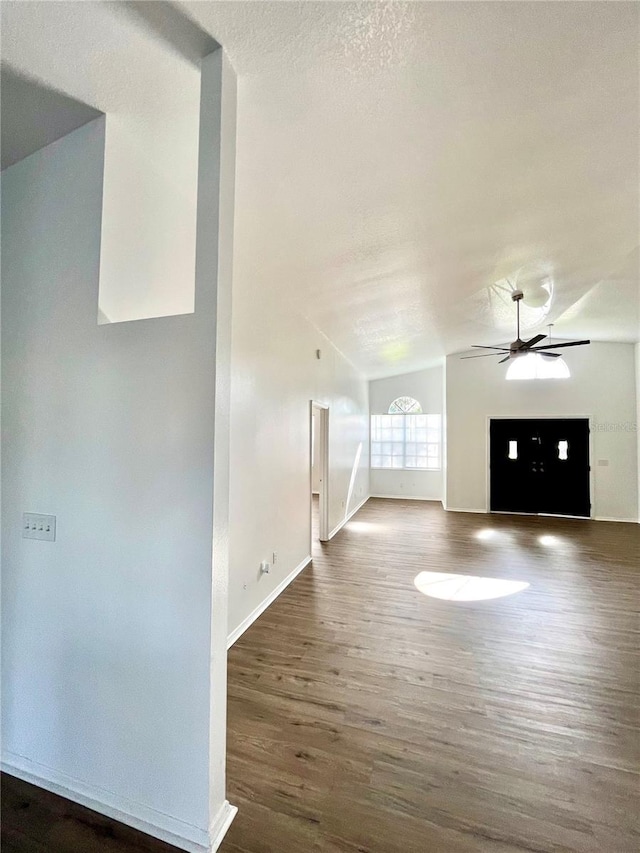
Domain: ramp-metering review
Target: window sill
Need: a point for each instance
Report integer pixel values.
(426, 470)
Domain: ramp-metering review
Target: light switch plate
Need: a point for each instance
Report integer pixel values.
(37, 526)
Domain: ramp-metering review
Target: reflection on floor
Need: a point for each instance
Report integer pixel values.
(366, 716)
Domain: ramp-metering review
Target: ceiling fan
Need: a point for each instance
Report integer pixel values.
(520, 347)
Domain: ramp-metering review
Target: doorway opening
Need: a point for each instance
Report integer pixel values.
(319, 472)
(540, 466)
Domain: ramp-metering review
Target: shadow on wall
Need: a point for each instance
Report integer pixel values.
(173, 27)
(34, 116)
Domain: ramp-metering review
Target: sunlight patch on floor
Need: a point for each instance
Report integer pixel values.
(465, 587)
(363, 526)
(485, 534)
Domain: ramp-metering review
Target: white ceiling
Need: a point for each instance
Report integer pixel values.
(397, 160)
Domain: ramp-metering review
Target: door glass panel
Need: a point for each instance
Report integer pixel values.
(563, 450)
(513, 450)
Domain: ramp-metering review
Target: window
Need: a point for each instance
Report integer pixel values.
(406, 439)
(563, 450)
(513, 450)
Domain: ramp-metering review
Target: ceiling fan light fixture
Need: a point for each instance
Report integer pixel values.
(535, 366)
(538, 295)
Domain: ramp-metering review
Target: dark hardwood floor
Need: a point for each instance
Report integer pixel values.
(366, 716)
(35, 821)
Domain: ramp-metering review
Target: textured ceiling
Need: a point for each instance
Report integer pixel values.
(402, 165)
(397, 160)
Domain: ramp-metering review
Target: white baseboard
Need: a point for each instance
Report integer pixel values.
(459, 509)
(407, 498)
(347, 517)
(221, 824)
(181, 834)
(606, 518)
(544, 515)
(259, 610)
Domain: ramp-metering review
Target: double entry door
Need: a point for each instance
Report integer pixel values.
(540, 466)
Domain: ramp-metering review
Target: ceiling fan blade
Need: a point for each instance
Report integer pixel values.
(535, 340)
(502, 349)
(484, 355)
(557, 346)
(502, 360)
(551, 355)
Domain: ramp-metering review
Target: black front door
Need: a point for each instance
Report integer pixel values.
(540, 466)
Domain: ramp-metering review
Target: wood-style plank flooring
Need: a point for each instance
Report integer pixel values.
(365, 716)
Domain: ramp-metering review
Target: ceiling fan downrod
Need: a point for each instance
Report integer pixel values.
(517, 297)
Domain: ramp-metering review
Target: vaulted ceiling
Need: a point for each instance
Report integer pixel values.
(403, 166)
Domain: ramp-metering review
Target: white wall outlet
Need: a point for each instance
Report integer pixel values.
(37, 526)
(265, 567)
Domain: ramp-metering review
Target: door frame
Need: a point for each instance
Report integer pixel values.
(322, 433)
(556, 417)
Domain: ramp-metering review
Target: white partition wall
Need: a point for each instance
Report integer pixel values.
(113, 636)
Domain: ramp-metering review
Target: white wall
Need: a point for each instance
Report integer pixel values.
(111, 634)
(602, 385)
(426, 386)
(275, 376)
(106, 56)
(637, 350)
(148, 258)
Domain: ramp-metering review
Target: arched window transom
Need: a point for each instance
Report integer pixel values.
(405, 406)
